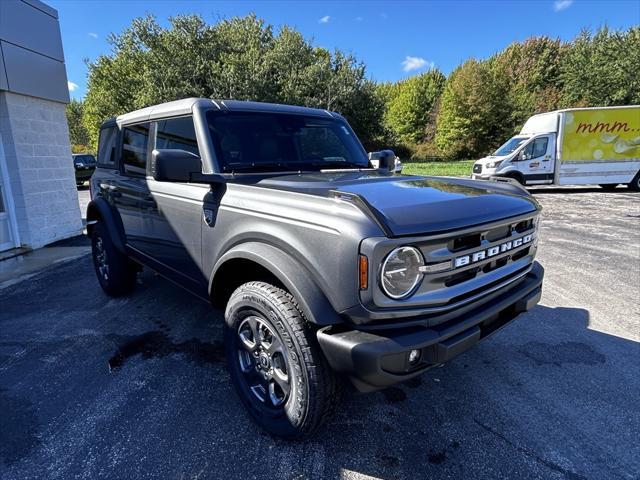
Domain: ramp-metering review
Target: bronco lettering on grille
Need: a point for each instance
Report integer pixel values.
(492, 251)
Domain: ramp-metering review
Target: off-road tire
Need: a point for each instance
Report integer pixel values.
(119, 278)
(314, 389)
(635, 183)
(608, 187)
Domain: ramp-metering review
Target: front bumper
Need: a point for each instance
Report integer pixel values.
(378, 359)
(482, 176)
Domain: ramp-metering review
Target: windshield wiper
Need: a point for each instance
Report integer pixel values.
(291, 167)
(337, 165)
(259, 167)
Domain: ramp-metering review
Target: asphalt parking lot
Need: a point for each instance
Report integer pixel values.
(92, 387)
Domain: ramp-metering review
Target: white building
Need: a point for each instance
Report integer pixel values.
(38, 195)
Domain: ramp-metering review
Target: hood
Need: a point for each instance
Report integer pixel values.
(411, 205)
(493, 158)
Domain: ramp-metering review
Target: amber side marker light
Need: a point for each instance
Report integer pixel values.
(364, 272)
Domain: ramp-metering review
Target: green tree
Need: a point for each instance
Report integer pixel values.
(531, 72)
(472, 111)
(601, 69)
(411, 105)
(240, 58)
(78, 134)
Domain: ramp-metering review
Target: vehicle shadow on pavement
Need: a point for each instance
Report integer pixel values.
(137, 387)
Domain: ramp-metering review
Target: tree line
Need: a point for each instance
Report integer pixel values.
(463, 115)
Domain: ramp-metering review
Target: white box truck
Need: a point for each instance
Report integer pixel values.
(577, 146)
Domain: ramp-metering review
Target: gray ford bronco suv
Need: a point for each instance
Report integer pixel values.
(329, 271)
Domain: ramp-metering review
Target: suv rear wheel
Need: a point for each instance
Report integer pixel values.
(635, 183)
(275, 363)
(115, 271)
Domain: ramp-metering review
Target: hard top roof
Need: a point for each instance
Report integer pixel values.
(187, 105)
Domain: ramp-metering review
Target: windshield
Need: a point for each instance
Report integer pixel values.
(259, 141)
(84, 159)
(510, 146)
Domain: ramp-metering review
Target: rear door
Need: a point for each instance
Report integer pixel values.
(131, 193)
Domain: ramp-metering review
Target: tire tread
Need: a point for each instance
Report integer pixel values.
(323, 384)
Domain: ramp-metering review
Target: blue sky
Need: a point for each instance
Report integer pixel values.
(393, 39)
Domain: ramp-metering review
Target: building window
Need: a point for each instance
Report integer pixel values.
(135, 140)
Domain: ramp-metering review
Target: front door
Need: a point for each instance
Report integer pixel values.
(8, 234)
(538, 159)
(176, 211)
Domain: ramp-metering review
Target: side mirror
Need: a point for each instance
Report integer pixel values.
(180, 166)
(174, 165)
(383, 160)
(521, 156)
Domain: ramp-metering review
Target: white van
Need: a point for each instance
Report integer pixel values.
(578, 146)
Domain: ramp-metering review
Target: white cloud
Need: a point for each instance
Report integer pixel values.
(324, 19)
(384, 15)
(560, 5)
(72, 86)
(410, 64)
(93, 35)
(359, 19)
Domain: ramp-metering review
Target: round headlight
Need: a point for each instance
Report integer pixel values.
(400, 272)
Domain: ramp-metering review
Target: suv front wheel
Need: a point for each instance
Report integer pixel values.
(275, 363)
(115, 271)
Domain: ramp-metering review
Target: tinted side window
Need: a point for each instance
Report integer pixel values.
(537, 148)
(134, 149)
(177, 133)
(107, 147)
(540, 146)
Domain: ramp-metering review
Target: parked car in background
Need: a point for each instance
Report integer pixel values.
(578, 146)
(84, 165)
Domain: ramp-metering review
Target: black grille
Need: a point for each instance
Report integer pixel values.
(477, 168)
(468, 243)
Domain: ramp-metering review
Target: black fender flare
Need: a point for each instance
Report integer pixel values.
(295, 277)
(99, 209)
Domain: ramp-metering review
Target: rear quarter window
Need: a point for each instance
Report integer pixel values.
(107, 147)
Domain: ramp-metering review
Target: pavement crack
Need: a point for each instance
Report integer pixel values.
(531, 454)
